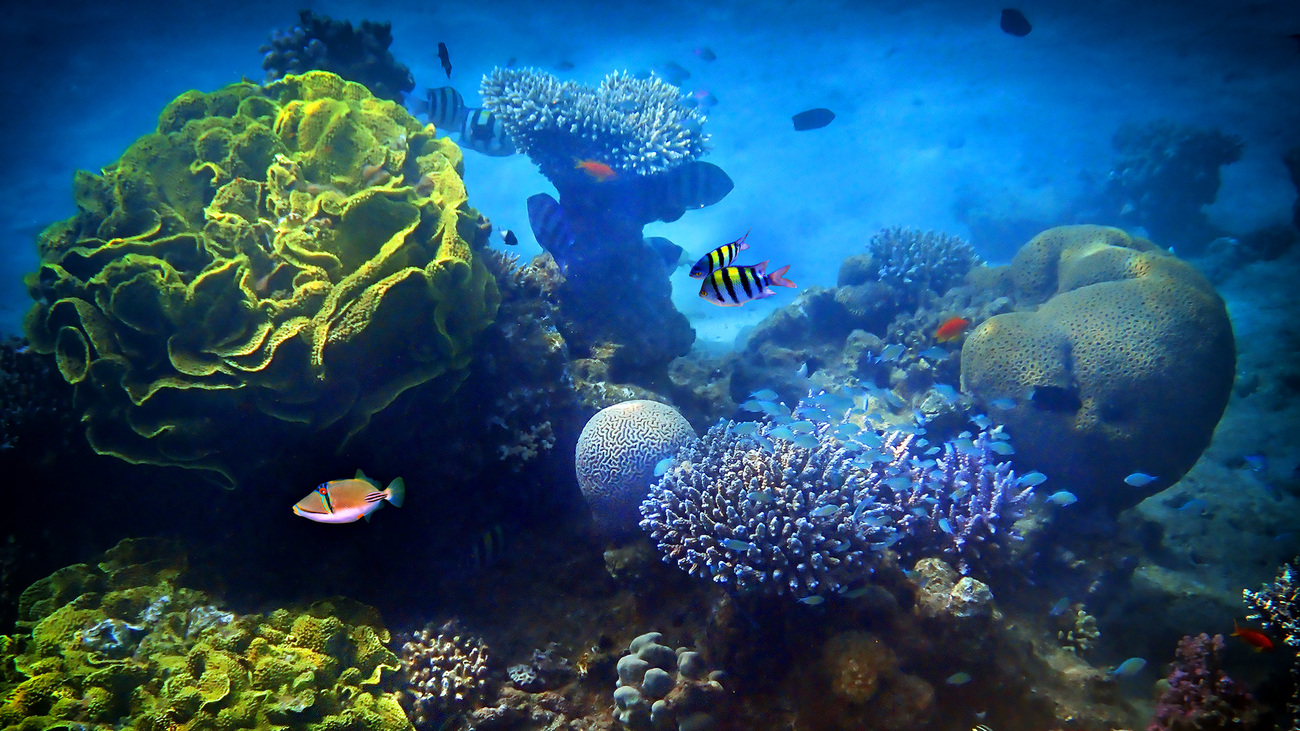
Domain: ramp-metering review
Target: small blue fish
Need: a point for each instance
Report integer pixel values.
(813, 600)
(932, 451)
(781, 432)
(757, 407)
(736, 545)
(947, 392)
(662, 465)
(824, 511)
(812, 412)
(945, 526)
(892, 352)
(935, 353)
(807, 441)
(1060, 606)
(982, 421)
(1031, 479)
(899, 483)
(846, 431)
(803, 371)
(1138, 479)
(958, 679)
(1003, 448)
(877, 521)
(765, 443)
(1062, 498)
(1005, 404)
(1195, 506)
(765, 394)
(745, 428)
(857, 593)
(760, 496)
(802, 427)
(1129, 667)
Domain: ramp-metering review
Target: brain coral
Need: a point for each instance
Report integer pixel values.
(617, 453)
(1125, 366)
(287, 257)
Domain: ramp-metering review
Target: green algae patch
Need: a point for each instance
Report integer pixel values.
(272, 264)
(124, 645)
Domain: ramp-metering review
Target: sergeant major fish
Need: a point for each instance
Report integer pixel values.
(720, 257)
(482, 131)
(347, 501)
(444, 107)
(734, 286)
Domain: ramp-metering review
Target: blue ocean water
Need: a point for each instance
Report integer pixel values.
(943, 122)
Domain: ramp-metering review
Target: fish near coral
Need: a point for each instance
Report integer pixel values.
(951, 329)
(1252, 637)
(347, 501)
(720, 257)
(597, 170)
(734, 286)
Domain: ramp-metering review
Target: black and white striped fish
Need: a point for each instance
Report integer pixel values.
(444, 107)
(734, 286)
(723, 256)
(483, 132)
(551, 228)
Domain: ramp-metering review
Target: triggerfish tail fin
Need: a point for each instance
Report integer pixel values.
(396, 492)
(777, 278)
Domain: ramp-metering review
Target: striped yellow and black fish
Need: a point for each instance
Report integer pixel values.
(483, 132)
(720, 257)
(444, 107)
(734, 286)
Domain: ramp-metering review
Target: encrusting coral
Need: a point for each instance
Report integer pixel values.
(121, 644)
(288, 257)
(1125, 366)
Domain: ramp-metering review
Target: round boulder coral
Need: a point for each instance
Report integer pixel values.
(1125, 366)
(289, 258)
(616, 457)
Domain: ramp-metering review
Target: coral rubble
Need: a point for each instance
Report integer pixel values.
(360, 54)
(290, 257)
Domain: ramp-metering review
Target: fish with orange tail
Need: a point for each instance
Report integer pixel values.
(734, 286)
(599, 171)
(951, 329)
(1252, 637)
(347, 501)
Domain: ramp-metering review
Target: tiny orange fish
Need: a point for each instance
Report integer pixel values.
(1252, 637)
(951, 330)
(599, 171)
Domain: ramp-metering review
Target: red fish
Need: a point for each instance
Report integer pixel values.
(599, 171)
(1252, 637)
(951, 329)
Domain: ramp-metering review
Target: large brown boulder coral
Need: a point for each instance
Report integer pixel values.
(1124, 366)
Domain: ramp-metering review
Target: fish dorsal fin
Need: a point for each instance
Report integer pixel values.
(761, 267)
(323, 490)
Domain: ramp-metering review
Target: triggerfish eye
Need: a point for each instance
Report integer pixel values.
(346, 501)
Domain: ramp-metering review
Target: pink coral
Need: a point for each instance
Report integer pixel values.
(1200, 695)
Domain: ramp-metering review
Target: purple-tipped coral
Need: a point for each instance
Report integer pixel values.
(633, 125)
(801, 515)
(319, 43)
(1200, 696)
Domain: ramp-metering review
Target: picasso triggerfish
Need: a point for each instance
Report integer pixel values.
(346, 501)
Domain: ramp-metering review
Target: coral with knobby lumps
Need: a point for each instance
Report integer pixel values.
(446, 673)
(318, 43)
(617, 454)
(916, 265)
(121, 644)
(659, 688)
(634, 125)
(765, 513)
(1200, 696)
(289, 257)
(1125, 365)
(1164, 174)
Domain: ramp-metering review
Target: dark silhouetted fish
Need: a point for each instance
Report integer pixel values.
(444, 107)
(671, 253)
(812, 119)
(1014, 22)
(565, 65)
(508, 237)
(445, 58)
(706, 54)
(672, 72)
(693, 185)
(483, 132)
(551, 228)
(1056, 398)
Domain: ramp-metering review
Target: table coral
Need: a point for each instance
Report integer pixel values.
(289, 257)
(1125, 365)
(138, 650)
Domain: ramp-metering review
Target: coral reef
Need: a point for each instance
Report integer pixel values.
(122, 644)
(1080, 633)
(616, 457)
(634, 125)
(662, 689)
(1125, 366)
(290, 258)
(361, 54)
(1164, 173)
(912, 264)
(1277, 606)
(446, 673)
(1198, 695)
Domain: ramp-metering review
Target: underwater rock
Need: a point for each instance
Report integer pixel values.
(662, 689)
(857, 662)
(290, 258)
(319, 43)
(1125, 366)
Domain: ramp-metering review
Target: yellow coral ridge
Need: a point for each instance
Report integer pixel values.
(289, 258)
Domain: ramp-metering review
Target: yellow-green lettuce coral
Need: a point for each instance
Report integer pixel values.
(273, 261)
